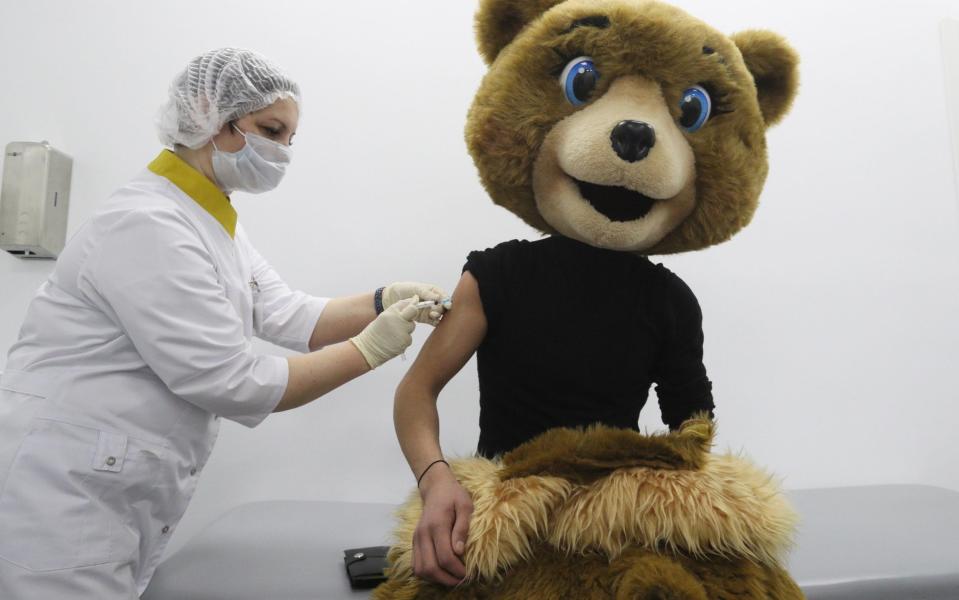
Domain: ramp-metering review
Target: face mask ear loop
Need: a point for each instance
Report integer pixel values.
(246, 142)
(233, 125)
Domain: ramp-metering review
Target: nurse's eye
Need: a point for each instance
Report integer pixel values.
(578, 80)
(697, 107)
(270, 130)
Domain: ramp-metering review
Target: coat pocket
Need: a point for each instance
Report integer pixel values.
(51, 513)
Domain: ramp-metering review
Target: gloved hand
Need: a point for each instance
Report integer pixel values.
(389, 334)
(430, 315)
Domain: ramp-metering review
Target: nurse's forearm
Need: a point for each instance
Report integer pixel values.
(342, 319)
(317, 373)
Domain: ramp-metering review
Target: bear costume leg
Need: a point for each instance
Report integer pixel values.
(648, 576)
(740, 579)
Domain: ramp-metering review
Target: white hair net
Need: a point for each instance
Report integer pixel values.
(218, 87)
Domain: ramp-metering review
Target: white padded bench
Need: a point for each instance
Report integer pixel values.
(863, 543)
(890, 542)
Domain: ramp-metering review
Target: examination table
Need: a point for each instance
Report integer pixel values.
(893, 542)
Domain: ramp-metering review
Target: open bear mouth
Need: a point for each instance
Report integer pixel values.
(614, 202)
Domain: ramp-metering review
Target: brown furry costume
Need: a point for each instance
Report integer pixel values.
(608, 513)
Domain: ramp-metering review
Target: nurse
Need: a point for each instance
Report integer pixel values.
(140, 341)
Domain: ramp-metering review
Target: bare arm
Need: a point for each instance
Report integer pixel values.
(440, 536)
(338, 361)
(448, 348)
(373, 339)
(342, 319)
(318, 373)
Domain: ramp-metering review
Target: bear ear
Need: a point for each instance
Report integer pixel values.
(775, 69)
(499, 21)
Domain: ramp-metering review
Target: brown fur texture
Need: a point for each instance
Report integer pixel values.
(635, 575)
(705, 526)
(499, 21)
(754, 76)
(774, 67)
(569, 454)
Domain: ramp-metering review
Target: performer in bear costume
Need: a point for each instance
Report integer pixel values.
(620, 129)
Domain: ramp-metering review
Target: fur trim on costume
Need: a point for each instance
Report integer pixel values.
(605, 491)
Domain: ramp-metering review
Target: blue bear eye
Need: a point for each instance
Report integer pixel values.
(697, 106)
(579, 79)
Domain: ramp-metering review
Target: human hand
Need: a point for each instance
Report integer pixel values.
(389, 334)
(429, 315)
(440, 537)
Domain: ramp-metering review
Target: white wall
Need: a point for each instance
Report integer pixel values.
(832, 323)
(950, 58)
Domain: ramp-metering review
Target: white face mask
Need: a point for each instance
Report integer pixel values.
(255, 168)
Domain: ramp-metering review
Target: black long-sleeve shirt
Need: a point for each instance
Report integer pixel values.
(576, 335)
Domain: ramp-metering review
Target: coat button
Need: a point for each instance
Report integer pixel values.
(193, 471)
(166, 529)
(111, 461)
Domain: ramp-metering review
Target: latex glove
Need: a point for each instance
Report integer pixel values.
(389, 334)
(430, 315)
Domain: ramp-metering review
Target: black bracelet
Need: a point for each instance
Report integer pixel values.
(423, 474)
(378, 300)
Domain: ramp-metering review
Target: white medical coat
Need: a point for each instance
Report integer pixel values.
(130, 352)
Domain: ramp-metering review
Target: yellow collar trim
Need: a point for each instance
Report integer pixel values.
(195, 185)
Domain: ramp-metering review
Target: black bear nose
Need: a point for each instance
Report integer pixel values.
(632, 140)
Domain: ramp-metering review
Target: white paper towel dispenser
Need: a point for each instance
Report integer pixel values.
(34, 199)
